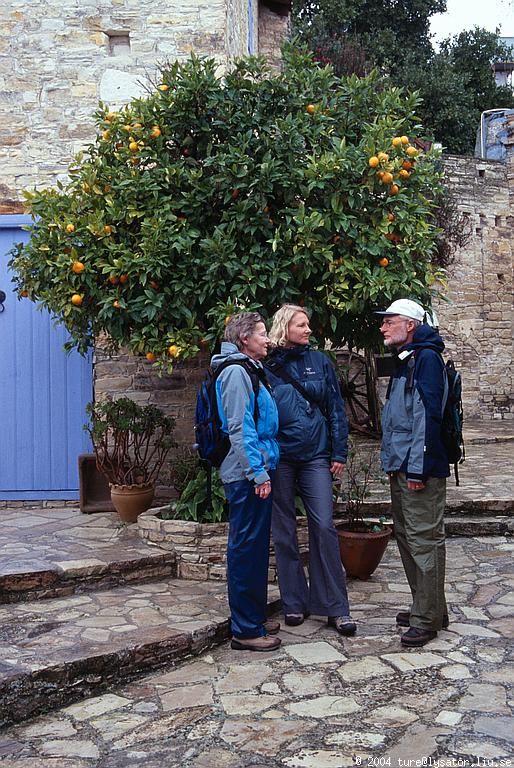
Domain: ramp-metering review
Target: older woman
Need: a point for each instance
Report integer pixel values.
(249, 416)
(312, 438)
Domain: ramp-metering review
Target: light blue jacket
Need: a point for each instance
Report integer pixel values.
(254, 449)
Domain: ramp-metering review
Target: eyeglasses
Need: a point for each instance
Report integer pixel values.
(388, 321)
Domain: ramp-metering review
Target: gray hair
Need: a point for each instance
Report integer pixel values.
(242, 324)
(412, 319)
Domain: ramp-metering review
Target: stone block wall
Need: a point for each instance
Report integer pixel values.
(478, 322)
(58, 59)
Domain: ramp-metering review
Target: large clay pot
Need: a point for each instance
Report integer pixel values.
(130, 500)
(362, 551)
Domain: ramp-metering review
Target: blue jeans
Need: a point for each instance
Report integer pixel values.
(326, 594)
(248, 558)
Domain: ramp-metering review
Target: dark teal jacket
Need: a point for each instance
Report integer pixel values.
(308, 432)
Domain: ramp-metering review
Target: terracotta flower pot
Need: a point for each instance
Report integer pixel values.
(130, 500)
(362, 551)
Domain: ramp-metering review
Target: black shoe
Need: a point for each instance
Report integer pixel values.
(403, 619)
(294, 619)
(415, 638)
(343, 624)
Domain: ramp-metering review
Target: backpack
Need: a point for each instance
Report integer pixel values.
(452, 421)
(212, 443)
(453, 415)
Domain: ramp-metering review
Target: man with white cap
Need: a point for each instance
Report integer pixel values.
(417, 463)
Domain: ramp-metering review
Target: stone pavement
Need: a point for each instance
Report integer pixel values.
(321, 700)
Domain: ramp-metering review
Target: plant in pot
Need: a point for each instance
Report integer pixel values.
(362, 543)
(131, 443)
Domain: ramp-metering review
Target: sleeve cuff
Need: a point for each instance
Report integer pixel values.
(261, 478)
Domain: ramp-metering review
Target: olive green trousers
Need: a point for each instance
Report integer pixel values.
(419, 531)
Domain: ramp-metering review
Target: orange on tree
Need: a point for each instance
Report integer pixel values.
(173, 350)
(234, 194)
(163, 87)
(155, 132)
(411, 151)
(124, 279)
(106, 135)
(317, 195)
(70, 228)
(397, 141)
(127, 127)
(107, 229)
(110, 116)
(384, 262)
(24, 294)
(373, 161)
(404, 174)
(387, 177)
(116, 304)
(78, 267)
(76, 299)
(133, 146)
(151, 357)
(311, 108)
(407, 165)
(391, 216)
(394, 189)
(137, 125)
(404, 139)
(383, 157)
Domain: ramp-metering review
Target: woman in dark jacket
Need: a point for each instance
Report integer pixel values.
(312, 437)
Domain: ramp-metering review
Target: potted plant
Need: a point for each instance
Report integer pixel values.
(361, 543)
(131, 443)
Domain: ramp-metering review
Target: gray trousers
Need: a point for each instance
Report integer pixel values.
(419, 531)
(327, 594)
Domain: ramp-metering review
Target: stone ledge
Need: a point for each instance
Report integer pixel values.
(26, 580)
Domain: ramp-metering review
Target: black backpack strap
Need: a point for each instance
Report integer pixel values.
(282, 373)
(256, 374)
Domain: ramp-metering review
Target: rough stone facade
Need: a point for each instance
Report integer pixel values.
(58, 59)
(478, 323)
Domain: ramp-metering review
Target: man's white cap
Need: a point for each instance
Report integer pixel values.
(409, 308)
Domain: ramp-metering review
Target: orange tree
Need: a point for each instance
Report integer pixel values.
(214, 194)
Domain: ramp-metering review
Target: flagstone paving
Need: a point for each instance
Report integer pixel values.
(321, 701)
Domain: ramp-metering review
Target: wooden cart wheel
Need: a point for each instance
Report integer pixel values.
(357, 377)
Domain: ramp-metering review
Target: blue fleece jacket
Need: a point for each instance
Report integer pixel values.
(308, 432)
(254, 449)
(411, 420)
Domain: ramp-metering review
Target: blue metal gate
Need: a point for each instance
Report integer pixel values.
(43, 393)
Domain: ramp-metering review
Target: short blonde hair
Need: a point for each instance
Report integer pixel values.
(281, 320)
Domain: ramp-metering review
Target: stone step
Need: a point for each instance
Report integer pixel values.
(54, 652)
(36, 580)
(46, 553)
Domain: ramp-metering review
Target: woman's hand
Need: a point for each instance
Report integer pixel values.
(263, 490)
(337, 468)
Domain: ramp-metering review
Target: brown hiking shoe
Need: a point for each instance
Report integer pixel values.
(272, 626)
(264, 643)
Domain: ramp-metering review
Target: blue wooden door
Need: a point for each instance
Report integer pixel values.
(43, 393)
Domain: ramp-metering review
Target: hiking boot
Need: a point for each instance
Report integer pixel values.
(264, 643)
(415, 638)
(345, 625)
(403, 619)
(272, 626)
(294, 619)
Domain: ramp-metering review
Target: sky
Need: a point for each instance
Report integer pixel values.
(466, 14)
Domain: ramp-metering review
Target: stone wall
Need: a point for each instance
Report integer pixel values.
(477, 324)
(58, 59)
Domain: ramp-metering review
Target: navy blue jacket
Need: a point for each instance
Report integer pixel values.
(411, 420)
(308, 432)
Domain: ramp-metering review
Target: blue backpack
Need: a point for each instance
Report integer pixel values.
(212, 443)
